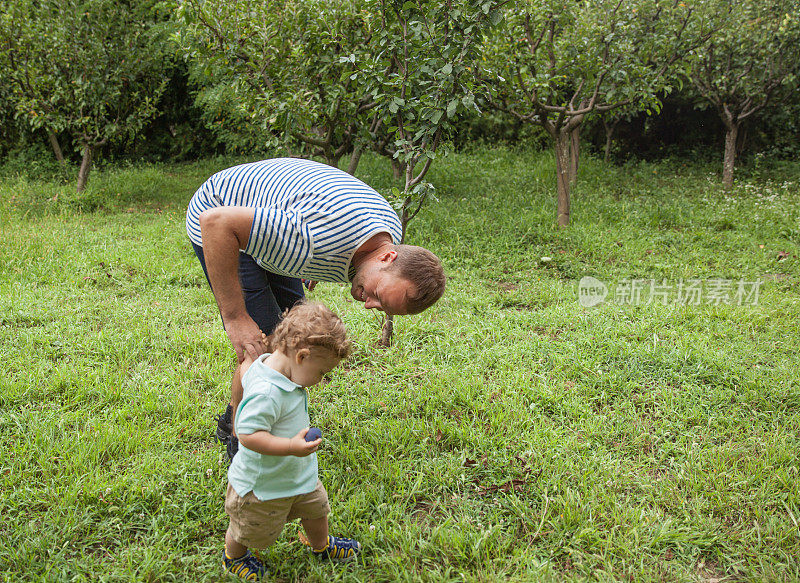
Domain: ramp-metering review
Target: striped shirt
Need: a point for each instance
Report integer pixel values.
(310, 218)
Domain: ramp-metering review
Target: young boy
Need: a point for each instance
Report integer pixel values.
(273, 477)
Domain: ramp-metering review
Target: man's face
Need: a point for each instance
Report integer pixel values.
(380, 288)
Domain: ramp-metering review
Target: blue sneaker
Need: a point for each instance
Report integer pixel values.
(338, 550)
(247, 566)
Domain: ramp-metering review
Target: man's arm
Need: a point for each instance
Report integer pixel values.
(226, 230)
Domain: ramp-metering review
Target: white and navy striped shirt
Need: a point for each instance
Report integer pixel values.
(310, 217)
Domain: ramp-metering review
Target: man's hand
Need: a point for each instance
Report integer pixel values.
(246, 338)
(310, 284)
(298, 446)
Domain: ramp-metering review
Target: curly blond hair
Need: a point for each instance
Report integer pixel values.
(311, 325)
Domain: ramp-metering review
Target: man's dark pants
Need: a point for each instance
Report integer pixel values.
(266, 295)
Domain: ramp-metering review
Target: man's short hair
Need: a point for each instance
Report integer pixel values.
(424, 270)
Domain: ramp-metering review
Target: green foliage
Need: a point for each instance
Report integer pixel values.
(33, 159)
(491, 128)
(752, 59)
(776, 132)
(177, 132)
(751, 63)
(91, 68)
(557, 61)
(329, 78)
(393, 76)
(9, 127)
(272, 71)
(422, 76)
(508, 434)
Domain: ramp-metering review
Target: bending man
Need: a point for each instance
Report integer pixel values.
(257, 228)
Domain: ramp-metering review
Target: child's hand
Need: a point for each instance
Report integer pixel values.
(302, 448)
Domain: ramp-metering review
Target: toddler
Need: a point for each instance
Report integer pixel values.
(273, 477)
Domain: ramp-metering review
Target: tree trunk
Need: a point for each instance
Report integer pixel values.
(354, 158)
(86, 166)
(609, 128)
(742, 139)
(397, 168)
(574, 154)
(405, 217)
(56, 148)
(731, 133)
(387, 331)
(331, 159)
(563, 161)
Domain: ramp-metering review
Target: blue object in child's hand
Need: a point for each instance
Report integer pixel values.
(313, 434)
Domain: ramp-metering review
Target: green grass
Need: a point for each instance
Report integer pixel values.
(508, 434)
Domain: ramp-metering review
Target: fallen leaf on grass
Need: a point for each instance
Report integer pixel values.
(470, 463)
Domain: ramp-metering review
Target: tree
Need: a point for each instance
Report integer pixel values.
(8, 125)
(420, 74)
(750, 64)
(284, 68)
(610, 120)
(89, 68)
(555, 62)
(421, 79)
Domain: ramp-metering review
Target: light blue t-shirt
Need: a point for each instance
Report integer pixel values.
(273, 403)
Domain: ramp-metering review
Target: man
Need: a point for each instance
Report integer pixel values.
(256, 228)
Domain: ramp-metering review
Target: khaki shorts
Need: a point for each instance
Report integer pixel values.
(258, 523)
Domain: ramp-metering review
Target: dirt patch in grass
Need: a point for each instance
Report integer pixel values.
(708, 571)
(428, 513)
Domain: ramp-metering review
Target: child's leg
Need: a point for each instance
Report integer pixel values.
(237, 560)
(322, 545)
(317, 531)
(332, 548)
(233, 549)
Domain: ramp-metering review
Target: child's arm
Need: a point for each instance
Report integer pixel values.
(265, 443)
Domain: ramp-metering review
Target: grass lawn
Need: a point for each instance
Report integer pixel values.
(508, 434)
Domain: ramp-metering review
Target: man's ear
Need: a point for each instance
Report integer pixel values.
(301, 355)
(387, 256)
